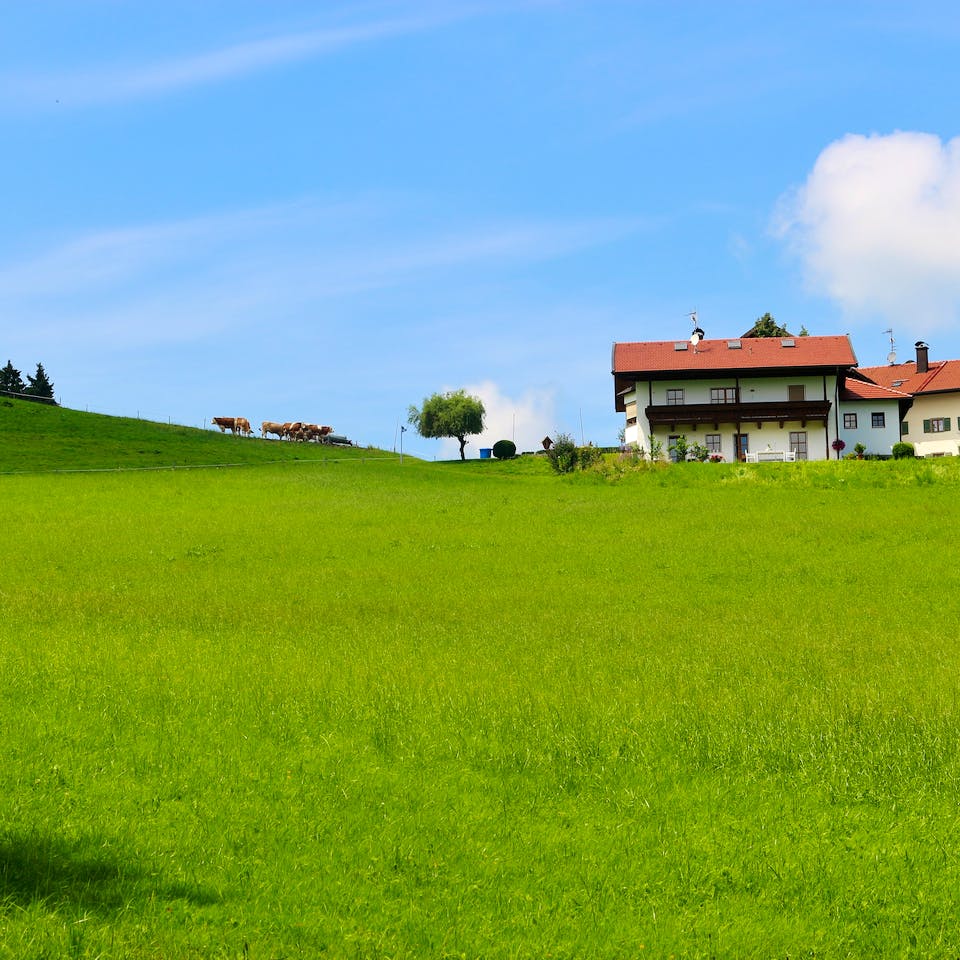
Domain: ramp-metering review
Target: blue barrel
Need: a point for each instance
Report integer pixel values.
(485, 453)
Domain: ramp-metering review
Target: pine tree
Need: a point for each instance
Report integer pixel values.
(11, 380)
(40, 386)
(766, 326)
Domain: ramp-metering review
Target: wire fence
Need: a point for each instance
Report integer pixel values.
(199, 466)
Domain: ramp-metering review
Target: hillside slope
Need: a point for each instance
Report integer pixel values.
(35, 438)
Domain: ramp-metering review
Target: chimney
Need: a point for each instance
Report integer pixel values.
(922, 364)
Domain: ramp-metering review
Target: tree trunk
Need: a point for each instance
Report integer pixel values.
(463, 443)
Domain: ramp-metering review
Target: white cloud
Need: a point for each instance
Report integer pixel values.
(877, 226)
(525, 419)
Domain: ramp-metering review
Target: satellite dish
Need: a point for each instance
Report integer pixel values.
(892, 357)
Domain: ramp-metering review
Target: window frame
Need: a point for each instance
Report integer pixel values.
(723, 395)
(798, 444)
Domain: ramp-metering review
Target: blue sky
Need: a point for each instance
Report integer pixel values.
(328, 211)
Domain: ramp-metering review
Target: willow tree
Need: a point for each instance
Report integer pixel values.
(454, 414)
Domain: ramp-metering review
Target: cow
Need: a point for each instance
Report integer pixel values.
(313, 431)
(292, 430)
(268, 426)
(225, 423)
(243, 427)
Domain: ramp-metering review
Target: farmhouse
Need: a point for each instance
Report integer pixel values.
(933, 425)
(754, 398)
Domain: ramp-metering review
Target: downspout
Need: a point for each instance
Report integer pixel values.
(649, 405)
(836, 410)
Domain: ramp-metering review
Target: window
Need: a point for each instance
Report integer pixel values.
(796, 391)
(713, 442)
(849, 421)
(904, 428)
(723, 394)
(877, 419)
(798, 443)
(672, 446)
(936, 425)
(675, 397)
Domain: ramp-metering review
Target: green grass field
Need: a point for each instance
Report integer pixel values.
(358, 709)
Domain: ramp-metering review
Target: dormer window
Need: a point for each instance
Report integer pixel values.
(682, 345)
(788, 342)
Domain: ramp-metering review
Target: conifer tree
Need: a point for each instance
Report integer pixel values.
(40, 385)
(11, 380)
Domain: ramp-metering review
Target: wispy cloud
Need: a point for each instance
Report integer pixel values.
(189, 279)
(130, 82)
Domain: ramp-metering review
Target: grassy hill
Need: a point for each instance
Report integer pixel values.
(38, 438)
(477, 710)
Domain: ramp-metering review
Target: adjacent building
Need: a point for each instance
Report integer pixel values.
(932, 424)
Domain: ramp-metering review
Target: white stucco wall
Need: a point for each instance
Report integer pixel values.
(879, 440)
(752, 390)
(929, 407)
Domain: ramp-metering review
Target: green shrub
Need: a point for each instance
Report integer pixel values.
(903, 451)
(563, 453)
(504, 449)
(699, 453)
(588, 456)
(566, 456)
(679, 449)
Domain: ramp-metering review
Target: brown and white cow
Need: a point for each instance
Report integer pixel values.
(314, 431)
(292, 429)
(269, 426)
(243, 427)
(225, 423)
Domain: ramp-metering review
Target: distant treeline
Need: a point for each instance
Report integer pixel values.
(37, 387)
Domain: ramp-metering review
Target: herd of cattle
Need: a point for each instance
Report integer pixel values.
(294, 430)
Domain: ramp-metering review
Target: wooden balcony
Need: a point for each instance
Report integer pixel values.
(713, 414)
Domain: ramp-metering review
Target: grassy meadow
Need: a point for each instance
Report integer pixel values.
(36, 438)
(364, 709)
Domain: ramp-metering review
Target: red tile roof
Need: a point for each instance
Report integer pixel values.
(754, 353)
(860, 390)
(941, 376)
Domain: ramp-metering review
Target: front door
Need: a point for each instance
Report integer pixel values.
(741, 443)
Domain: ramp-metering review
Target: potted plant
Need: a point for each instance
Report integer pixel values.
(838, 445)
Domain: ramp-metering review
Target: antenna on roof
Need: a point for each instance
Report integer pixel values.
(892, 355)
(697, 334)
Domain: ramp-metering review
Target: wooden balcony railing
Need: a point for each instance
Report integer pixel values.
(697, 414)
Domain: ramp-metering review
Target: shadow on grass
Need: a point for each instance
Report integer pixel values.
(42, 870)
